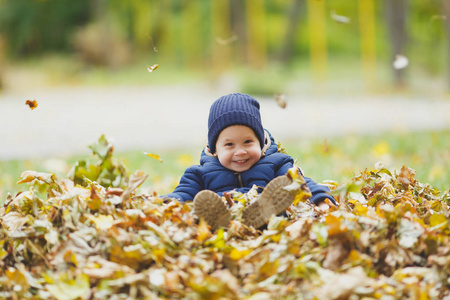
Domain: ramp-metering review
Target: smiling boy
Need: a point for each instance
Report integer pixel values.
(239, 155)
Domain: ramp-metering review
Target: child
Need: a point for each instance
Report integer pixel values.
(240, 154)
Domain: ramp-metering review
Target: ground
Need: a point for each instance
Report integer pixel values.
(146, 118)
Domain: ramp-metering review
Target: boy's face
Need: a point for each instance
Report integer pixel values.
(238, 148)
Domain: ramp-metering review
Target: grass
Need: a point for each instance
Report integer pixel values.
(338, 159)
(55, 69)
(341, 158)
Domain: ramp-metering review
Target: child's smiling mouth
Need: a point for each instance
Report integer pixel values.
(241, 162)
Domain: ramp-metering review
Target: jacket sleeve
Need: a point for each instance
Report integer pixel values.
(190, 184)
(319, 192)
(285, 164)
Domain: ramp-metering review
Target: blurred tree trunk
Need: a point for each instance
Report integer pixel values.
(166, 29)
(317, 19)
(366, 11)
(256, 33)
(237, 15)
(446, 10)
(220, 29)
(142, 23)
(2, 60)
(100, 8)
(192, 48)
(396, 18)
(294, 13)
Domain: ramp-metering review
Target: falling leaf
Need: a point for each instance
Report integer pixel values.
(225, 42)
(400, 62)
(339, 18)
(32, 104)
(152, 68)
(438, 17)
(154, 156)
(281, 100)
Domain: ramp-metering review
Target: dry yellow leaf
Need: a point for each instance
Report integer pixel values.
(152, 68)
(154, 156)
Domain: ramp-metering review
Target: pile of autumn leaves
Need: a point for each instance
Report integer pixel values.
(387, 239)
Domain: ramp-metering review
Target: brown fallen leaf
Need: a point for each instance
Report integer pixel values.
(14, 220)
(406, 176)
(31, 103)
(28, 176)
(281, 100)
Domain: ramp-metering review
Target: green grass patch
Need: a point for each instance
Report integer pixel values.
(341, 158)
(338, 159)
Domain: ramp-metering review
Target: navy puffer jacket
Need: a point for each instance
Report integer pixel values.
(211, 175)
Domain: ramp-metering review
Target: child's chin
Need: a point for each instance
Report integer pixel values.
(240, 169)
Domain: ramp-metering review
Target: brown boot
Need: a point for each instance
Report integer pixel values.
(272, 201)
(209, 206)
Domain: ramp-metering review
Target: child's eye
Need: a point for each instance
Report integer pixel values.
(248, 141)
(228, 144)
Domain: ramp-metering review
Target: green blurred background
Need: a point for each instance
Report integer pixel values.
(97, 41)
(336, 46)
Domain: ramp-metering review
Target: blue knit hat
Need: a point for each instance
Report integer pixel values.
(234, 109)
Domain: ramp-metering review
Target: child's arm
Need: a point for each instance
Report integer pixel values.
(319, 192)
(190, 184)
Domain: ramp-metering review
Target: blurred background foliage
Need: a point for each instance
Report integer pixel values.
(222, 36)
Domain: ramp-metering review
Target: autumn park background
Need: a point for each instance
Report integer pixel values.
(368, 79)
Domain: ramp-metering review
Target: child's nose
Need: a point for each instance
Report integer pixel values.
(240, 151)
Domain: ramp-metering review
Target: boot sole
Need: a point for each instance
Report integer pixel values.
(209, 206)
(273, 201)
